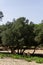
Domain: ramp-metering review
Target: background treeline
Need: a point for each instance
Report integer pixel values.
(20, 34)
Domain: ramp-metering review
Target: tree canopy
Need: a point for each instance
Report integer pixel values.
(20, 34)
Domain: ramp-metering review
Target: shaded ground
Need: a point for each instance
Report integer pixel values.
(10, 61)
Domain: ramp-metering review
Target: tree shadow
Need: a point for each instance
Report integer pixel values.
(38, 55)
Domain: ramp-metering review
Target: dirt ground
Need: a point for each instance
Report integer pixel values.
(36, 51)
(10, 61)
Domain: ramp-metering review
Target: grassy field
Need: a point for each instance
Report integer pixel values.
(27, 58)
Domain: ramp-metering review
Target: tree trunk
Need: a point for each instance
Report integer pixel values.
(34, 50)
(18, 51)
(13, 51)
(23, 51)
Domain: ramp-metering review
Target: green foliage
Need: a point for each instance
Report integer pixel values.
(19, 34)
(7, 38)
(38, 59)
(27, 58)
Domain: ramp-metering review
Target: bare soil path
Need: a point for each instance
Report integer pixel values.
(10, 61)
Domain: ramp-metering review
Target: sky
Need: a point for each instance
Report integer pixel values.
(31, 9)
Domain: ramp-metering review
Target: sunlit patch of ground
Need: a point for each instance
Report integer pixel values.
(10, 61)
(36, 51)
